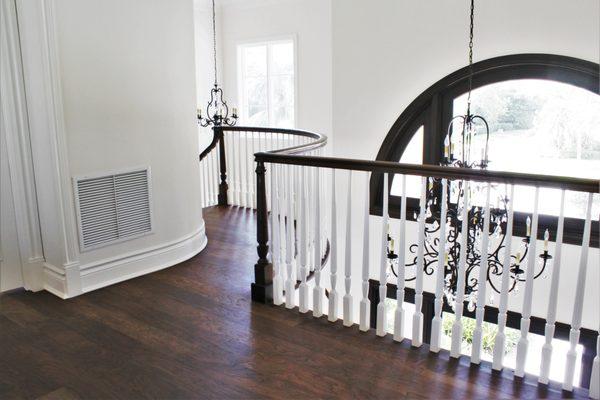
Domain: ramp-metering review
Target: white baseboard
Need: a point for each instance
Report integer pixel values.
(107, 272)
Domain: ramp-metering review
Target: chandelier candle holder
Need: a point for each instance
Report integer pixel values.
(459, 152)
(217, 111)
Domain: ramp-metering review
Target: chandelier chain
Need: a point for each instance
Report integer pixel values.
(471, 55)
(214, 39)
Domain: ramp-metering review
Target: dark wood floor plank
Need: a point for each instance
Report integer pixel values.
(191, 331)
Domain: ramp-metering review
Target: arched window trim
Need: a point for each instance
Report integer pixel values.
(433, 110)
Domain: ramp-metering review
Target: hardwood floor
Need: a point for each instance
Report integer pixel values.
(190, 331)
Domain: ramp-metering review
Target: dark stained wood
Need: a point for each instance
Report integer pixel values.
(191, 331)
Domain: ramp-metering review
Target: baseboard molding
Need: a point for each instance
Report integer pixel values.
(107, 272)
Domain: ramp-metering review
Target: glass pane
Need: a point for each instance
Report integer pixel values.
(413, 154)
(255, 91)
(257, 116)
(539, 126)
(282, 58)
(283, 117)
(255, 60)
(282, 91)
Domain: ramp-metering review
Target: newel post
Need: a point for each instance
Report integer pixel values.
(262, 288)
(223, 187)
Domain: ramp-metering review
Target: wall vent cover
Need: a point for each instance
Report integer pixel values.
(113, 208)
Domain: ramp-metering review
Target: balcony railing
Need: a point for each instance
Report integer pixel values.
(296, 190)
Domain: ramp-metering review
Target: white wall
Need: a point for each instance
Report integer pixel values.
(126, 86)
(310, 22)
(385, 53)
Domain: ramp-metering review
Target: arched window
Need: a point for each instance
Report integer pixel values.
(544, 116)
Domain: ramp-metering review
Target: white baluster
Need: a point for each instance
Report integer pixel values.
(436, 323)
(253, 176)
(275, 237)
(579, 295)
(460, 285)
(523, 344)
(499, 342)
(317, 290)
(481, 282)
(348, 256)
(248, 162)
(303, 295)
(213, 174)
(202, 193)
(365, 303)
(417, 329)
(289, 245)
(333, 294)
(381, 312)
(552, 303)
(399, 314)
(238, 169)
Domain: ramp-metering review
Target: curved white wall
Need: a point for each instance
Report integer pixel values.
(125, 74)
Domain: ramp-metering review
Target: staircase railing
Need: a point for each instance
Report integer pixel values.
(295, 182)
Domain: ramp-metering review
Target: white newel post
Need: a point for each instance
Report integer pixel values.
(399, 314)
(579, 295)
(417, 328)
(365, 303)
(381, 312)
(436, 323)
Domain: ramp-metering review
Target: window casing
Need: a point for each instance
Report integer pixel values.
(267, 83)
(434, 108)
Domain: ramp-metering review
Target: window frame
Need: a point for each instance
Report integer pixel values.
(433, 110)
(266, 41)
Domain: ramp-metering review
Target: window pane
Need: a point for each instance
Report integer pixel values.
(539, 126)
(255, 60)
(413, 154)
(283, 117)
(255, 91)
(257, 116)
(282, 58)
(282, 91)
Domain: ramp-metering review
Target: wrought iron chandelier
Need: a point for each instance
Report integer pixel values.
(469, 126)
(217, 111)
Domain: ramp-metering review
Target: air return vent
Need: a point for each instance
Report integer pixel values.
(113, 208)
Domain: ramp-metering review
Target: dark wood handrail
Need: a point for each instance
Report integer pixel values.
(514, 178)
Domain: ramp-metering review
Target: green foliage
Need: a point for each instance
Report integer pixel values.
(489, 332)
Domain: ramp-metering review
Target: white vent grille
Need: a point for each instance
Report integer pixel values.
(113, 208)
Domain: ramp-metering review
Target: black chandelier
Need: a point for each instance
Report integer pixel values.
(217, 111)
(457, 153)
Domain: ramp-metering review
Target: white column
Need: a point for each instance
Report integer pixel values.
(595, 378)
(552, 301)
(348, 256)
(436, 323)
(365, 303)
(500, 340)
(333, 294)
(381, 312)
(417, 328)
(579, 296)
(399, 314)
(481, 282)
(317, 290)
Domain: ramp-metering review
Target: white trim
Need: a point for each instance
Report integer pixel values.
(102, 273)
(41, 72)
(265, 41)
(15, 124)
